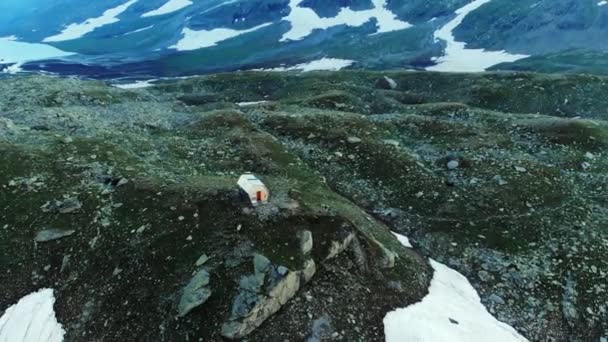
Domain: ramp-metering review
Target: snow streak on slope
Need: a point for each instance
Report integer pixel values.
(32, 319)
(75, 31)
(332, 64)
(13, 51)
(452, 311)
(457, 58)
(139, 30)
(193, 40)
(169, 7)
(305, 20)
(134, 85)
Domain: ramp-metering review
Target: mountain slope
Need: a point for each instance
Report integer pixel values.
(179, 37)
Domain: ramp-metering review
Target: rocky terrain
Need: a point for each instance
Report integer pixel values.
(125, 202)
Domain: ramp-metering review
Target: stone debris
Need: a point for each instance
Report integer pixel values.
(67, 206)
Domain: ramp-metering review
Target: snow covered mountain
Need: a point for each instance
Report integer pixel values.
(117, 38)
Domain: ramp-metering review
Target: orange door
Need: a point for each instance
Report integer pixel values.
(259, 196)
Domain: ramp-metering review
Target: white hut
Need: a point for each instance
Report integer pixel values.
(254, 188)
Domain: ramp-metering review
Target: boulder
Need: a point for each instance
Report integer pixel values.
(251, 308)
(195, 293)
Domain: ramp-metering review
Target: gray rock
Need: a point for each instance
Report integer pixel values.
(7, 126)
(276, 275)
(452, 180)
(353, 140)
(201, 260)
(321, 330)
(310, 268)
(244, 302)
(195, 293)
(569, 300)
(453, 164)
(484, 276)
(66, 206)
(122, 182)
(65, 263)
(306, 242)
(69, 205)
(250, 310)
(251, 283)
(395, 285)
(454, 263)
(52, 234)
(338, 247)
(494, 298)
(391, 142)
(282, 270)
(261, 265)
(500, 180)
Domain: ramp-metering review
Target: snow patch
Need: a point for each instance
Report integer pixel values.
(15, 52)
(135, 85)
(32, 319)
(331, 64)
(247, 104)
(74, 31)
(169, 7)
(193, 40)
(404, 240)
(457, 58)
(12, 69)
(305, 20)
(451, 311)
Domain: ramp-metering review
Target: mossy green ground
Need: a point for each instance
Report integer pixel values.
(530, 189)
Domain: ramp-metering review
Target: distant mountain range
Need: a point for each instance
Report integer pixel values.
(154, 38)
